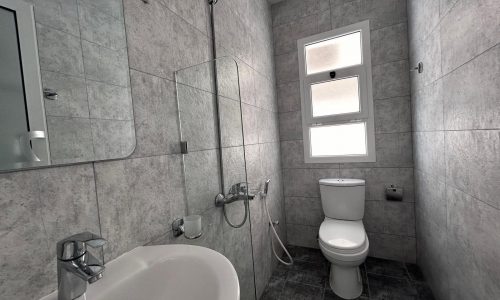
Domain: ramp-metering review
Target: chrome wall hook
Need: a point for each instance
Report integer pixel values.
(419, 68)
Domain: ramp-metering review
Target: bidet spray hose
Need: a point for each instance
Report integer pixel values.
(264, 196)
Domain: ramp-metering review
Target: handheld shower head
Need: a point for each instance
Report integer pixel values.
(266, 186)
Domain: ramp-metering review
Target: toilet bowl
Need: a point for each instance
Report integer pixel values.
(342, 237)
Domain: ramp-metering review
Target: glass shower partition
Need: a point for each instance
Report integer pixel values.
(211, 127)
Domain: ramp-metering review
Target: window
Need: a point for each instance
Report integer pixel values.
(336, 93)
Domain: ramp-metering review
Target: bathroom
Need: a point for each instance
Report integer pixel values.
(179, 143)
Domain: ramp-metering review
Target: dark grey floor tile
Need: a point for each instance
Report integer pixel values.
(274, 288)
(390, 288)
(424, 291)
(330, 295)
(298, 291)
(364, 295)
(414, 272)
(385, 267)
(307, 254)
(308, 273)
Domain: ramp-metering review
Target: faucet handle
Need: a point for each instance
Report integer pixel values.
(75, 246)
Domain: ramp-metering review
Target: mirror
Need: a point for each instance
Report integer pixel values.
(64, 83)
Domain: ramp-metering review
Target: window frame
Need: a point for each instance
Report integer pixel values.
(364, 74)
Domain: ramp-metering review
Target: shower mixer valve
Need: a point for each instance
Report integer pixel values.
(237, 192)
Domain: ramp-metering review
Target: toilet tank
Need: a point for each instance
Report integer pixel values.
(343, 198)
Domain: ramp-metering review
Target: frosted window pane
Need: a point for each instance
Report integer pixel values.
(337, 140)
(335, 97)
(336, 53)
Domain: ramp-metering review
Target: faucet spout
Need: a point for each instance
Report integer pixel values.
(76, 266)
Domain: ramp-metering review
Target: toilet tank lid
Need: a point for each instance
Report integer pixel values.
(341, 182)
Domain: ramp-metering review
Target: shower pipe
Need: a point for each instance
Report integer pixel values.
(217, 113)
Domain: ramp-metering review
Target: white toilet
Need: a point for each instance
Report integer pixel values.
(342, 236)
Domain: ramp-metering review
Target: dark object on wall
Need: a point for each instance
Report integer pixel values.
(394, 193)
(332, 74)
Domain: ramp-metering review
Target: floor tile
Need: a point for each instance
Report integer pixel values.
(298, 291)
(414, 272)
(424, 291)
(307, 254)
(308, 273)
(274, 288)
(308, 278)
(390, 288)
(329, 295)
(385, 267)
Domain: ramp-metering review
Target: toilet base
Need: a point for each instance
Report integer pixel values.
(346, 282)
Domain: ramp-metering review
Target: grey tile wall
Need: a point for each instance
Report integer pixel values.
(391, 226)
(132, 201)
(456, 145)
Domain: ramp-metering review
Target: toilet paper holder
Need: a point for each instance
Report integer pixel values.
(394, 193)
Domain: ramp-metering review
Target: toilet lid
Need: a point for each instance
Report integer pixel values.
(340, 234)
(342, 182)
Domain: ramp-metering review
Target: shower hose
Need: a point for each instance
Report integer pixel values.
(271, 224)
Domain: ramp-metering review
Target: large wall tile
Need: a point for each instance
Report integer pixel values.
(69, 204)
(429, 153)
(70, 139)
(112, 138)
(161, 52)
(304, 211)
(430, 200)
(268, 126)
(72, 95)
(473, 163)
(58, 14)
(468, 30)
(195, 12)
(303, 235)
(156, 115)
(377, 179)
(201, 184)
(24, 275)
(105, 65)
(288, 97)
(305, 182)
(389, 44)
(384, 13)
(98, 27)
(231, 124)
(287, 69)
(107, 101)
(250, 124)
(391, 80)
(197, 117)
(132, 205)
(286, 36)
(427, 107)
(392, 115)
(288, 11)
(59, 52)
(470, 94)
(290, 126)
(393, 247)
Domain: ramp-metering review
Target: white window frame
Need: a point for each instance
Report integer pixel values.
(364, 74)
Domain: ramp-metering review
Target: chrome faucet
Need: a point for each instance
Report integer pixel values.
(76, 266)
(237, 192)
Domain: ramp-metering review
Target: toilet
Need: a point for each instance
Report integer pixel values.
(342, 236)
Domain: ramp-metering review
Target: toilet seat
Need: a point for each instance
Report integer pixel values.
(343, 238)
